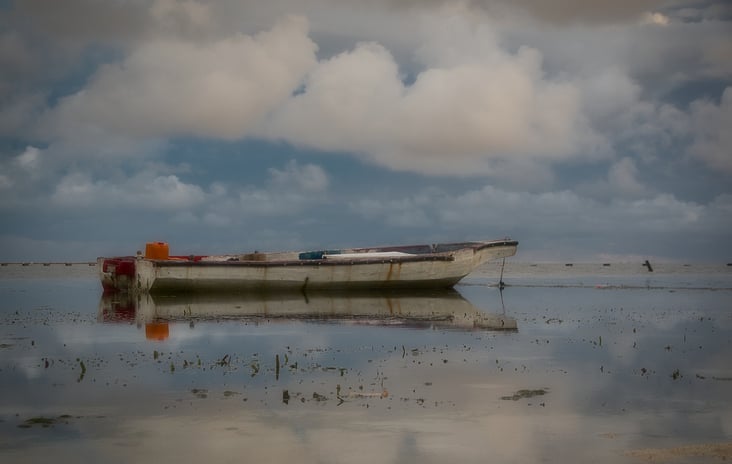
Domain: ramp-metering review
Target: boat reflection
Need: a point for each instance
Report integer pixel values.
(445, 309)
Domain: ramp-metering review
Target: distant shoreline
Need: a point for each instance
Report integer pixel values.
(512, 262)
(48, 263)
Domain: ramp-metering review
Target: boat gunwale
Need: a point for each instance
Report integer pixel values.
(444, 256)
(301, 262)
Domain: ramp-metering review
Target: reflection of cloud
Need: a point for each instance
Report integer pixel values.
(213, 429)
(436, 411)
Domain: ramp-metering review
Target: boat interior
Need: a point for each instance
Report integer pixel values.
(348, 253)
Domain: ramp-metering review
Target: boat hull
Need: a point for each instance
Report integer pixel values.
(375, 270)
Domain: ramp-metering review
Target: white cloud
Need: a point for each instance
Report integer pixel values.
(472, 108)
(29, 159)
(657, 214)
(308, 178)
(656, 18)
(289, 192)
(483, 105)
(144, 191)
(346, 96)
(221, 88)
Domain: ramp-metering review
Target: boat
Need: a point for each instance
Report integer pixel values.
(439, 265)
(443, 308)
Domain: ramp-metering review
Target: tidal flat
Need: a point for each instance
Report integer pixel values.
(571, 362)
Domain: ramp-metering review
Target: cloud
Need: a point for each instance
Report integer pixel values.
(221, 88)
(19, 112)
(607, 94)
(144, 191)
(157, 187)
(29, 158)
(76, 22)
(580, 226)
(16, 61)
(566, 11)
(409, 212)
(217, 220)
(83, 19)
(574, 121)
(660, 212)
(463, 112)
(669, 57)
(23, 176)
(290, 191)
(621, 182)
(712, 123)
(656, 18)
(630, 125)
(623, 176)
(309, 178)
(184, 16)
(555, 11)
(471, 107)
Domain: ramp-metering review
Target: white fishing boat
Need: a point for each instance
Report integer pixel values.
(377, 268)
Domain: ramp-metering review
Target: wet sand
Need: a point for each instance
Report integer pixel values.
(605, 364)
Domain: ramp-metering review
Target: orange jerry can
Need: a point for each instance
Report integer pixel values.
(157, 250)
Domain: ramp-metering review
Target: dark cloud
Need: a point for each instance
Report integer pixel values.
(568, 11)
(82, 20)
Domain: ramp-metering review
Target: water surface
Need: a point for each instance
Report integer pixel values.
(589, 362)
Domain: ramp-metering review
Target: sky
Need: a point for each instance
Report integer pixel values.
(588, 131)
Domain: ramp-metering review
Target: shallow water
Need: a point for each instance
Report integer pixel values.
(587, 362)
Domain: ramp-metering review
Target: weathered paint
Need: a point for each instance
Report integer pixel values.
(117, 273)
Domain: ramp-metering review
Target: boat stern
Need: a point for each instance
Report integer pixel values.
(117, 274)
